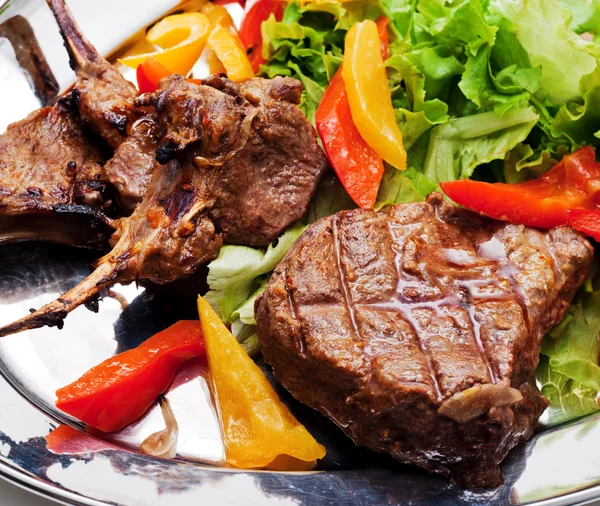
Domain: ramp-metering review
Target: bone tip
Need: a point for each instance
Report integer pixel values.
(34, 321)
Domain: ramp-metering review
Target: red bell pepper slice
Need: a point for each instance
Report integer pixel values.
(585, 221)
(255, 14)
(149, 73)
(573, 183)
(356, 164)
(66, 440)
(358, 167)
(382, 29)
(256, 58)
(250, 33)
(117, 392)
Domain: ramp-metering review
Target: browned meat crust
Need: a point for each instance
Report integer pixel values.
(104, 97)
(245, 172)
(417, 329)
(105, 100)
(255, 145)
(130, 169)
(52, 185)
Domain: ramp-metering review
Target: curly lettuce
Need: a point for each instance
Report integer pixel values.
(569, 370)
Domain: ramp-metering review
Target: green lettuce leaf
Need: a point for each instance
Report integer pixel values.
(542, 27)
(586, 15)
(569, 371)
(232, 275)
(523, 163)
(416, 115)
(401, 187)
(580, 121)
(573, 347)
(310, 51)
(464, 23)
(509, 90)
(568, 398)
(460, 145)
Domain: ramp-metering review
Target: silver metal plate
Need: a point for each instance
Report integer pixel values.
(558, 466)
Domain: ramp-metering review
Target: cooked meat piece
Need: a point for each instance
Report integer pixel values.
(263, 152)
(51, 181)
(249, 170)
(417, 329)
(130, 169)
(104, 97)
(106, 102)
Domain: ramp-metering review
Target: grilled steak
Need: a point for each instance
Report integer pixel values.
(106, 102)
(247, 169)
(417, 329)
(52, 185)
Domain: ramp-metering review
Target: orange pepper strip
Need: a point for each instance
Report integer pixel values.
(119, 390)
(218, 15)
(181, 37)
(258, 429)
(358, 167)
(229, 49)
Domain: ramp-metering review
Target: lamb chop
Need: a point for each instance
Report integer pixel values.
(52, 182)
(417, 329)
(106, 103)
(245, 167)
(52, 185)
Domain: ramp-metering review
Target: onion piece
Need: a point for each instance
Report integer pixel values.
(477, 400)
(163, 443)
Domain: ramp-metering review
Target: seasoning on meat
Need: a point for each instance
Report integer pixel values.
(246, 168)
(104, 97)
(106, 101)
(417, 329)
(52, 186)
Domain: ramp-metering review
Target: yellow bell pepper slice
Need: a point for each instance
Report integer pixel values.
(231, 52)
(218, 15)
(214, 64)
(258, 429)
(181, 37)
(369, 95)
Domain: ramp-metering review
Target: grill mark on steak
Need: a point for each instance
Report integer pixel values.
(476, 329)
(406, 311)
(348, 304)
(424, 296)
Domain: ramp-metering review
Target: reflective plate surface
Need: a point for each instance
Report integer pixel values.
(558, 466)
